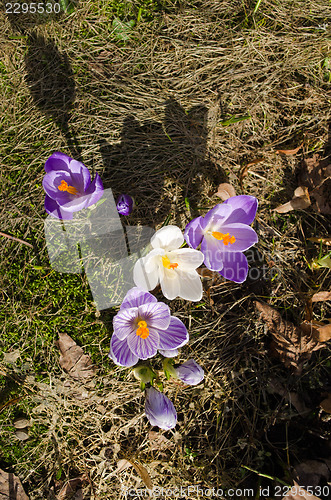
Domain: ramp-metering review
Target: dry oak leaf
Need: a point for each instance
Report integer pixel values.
(289, 152)
(326, 404)
(11, 487)
(299, 201)
(125, 463)
(225, 191)
(299, 493)
(73, 360)
(316, 175)
(72, 489)
(321, 296)
(292, 344)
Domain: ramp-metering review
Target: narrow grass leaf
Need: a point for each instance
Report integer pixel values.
(235, 119)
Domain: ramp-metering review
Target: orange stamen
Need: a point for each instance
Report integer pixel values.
(142, 331)
(167, 264)
(64, 187)
(226, 238)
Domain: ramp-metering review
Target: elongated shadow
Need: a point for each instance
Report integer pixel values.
(159, 163)
(51, 82)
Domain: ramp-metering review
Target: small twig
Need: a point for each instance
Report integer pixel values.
(16, 239)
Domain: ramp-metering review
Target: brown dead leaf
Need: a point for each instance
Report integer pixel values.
(158, 442)
(321, 296)
(326, 404)
(72, 489)
(225, 191)
(293, 345)
(22, 435)
(300, 201)
(140, 469)
(315, 173)
(289, 151)
(319, 331)
(11, 487)
(73, 360)
(292, 397)
(299, 493)
(21, 423)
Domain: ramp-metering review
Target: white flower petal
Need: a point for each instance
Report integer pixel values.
(168, 237)
(170, 284)
(190, 286)
(144, 279)
(186, 258)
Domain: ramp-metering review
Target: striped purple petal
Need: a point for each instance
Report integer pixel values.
(169, 353)
(136, 297)
(156, 314)
(144, 348)
(176, 335)
(123, 322)
(120, 352)
(159, 409)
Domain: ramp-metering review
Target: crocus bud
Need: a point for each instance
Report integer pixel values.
(169, 369)
(159, 409)
(190, 372)
(124, 204)
(143, 373)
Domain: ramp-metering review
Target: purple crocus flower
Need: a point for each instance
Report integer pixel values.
(142, 327)
(159, 409)
(68, 186)
(224, 234)
(124, 204)
(190, 372)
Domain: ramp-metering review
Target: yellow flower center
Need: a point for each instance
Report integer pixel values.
(167, 264)
(226, 238)
(64, 187)
(142, 331)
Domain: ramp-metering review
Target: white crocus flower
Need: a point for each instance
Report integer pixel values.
(171, 266)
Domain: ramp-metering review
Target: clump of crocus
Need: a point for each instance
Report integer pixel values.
(142, 327)
(224, 234)
(159, 409)
(68, 186)
(124, 204)
(171, 266)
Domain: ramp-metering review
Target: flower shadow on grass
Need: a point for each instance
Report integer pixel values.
(161, 164)
(50, 79)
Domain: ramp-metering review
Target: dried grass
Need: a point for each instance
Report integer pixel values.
(146, 116)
